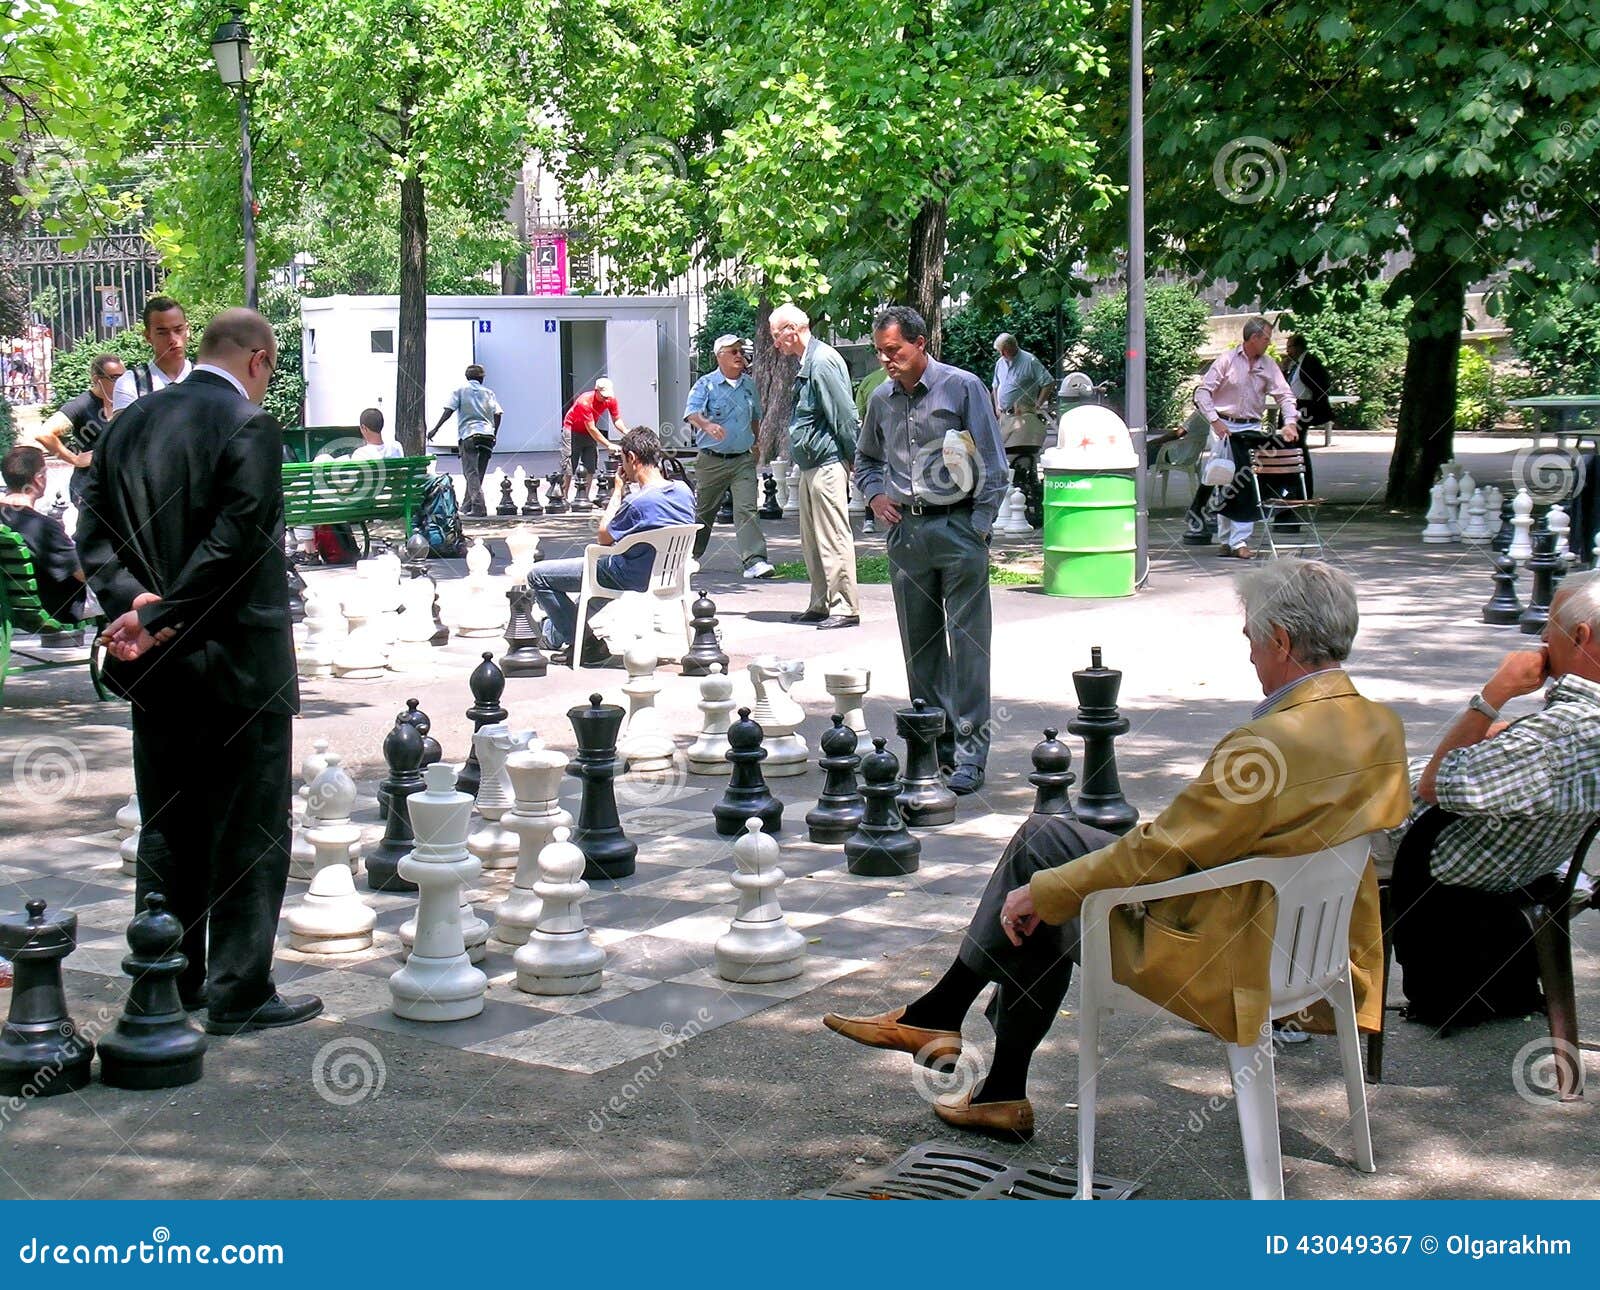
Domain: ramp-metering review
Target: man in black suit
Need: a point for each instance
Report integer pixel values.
(181, 536)
(1308, 378)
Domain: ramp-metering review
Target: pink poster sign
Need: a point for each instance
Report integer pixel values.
(549, 264)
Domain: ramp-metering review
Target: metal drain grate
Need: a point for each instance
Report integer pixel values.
(950, 1171)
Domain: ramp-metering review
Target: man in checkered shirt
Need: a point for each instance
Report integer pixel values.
(1512, 800)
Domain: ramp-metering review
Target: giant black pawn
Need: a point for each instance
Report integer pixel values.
(1100, 803)
(1504, 609)
(770, 510)
(880, 847)
(555, 501)
(530, 496)
(414, 715)
(747, 793)
(508, 503)
(403, 751)
(41, 1051)
(487, 684)
(297, 603)
(1545, 566)
(523, 656)
(417, 553)
(1052, 776)
(153, 1045)
(608, 481)
(924, 801)
(725, 511)
(607, 850)
(580, 491)
(840, 808)
(1502, 539)
(704, 648)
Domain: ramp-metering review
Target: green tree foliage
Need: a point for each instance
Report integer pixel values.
(969, 334)
(728, 311)
(1335, 134)
(1557, 334)
(1175, 325)
(1362, 341)
(8, 428)
(1480, 404)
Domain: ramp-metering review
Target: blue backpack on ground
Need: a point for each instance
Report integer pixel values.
(439, 518)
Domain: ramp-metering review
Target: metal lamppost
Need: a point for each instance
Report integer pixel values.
(1134, 381)
(230, 47)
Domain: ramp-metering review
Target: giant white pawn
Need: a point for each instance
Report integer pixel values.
(1465, 487)
(1438, 529)
(1476, 529)
(1493, 501)
(849, 686)
(413, 646)
(523, 544)
(1521, 527)
(362, 655)
(534, 818)
(707, 755)
(778, 715)
(780, 479)
(1452, 504)
(128, 825)
(484, 609)
(645, 747)
(759, 944)
(324, 630)
(493, 844)
(333, 919)
(559, 958)
(438, 981)
(1560, 523)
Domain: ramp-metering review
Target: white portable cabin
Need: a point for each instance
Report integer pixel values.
(538, 353)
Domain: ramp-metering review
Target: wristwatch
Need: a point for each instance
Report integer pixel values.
(1480, 704)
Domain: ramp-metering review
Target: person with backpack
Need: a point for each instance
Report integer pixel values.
(166, 331)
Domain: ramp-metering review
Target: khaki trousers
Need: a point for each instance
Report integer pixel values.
(826, 542)
(715, 475)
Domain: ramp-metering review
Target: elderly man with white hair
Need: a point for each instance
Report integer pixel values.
(1021, 382)
(822, 442)
(1314, 766)
(1503, 804)
(725, 412)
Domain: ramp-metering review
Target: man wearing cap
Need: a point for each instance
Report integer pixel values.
(725, 412)
(822, 442)
(581, 436)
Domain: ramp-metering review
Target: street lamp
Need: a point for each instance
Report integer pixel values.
(1134, 382)
(230, 47)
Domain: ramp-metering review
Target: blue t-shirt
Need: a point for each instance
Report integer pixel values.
(669, 502)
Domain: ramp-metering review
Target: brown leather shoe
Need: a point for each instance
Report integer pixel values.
(1012, 1120)
(936, 1048)
(1243, 553)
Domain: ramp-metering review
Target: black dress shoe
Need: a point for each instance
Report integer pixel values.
(838, 620)
(810, 616)
(275, 1013)
(194, 1002)
(967, 779)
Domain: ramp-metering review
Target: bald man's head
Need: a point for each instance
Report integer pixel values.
(240, 341)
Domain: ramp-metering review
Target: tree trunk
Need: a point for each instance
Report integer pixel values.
(514, 272)
(1425, 438)
(410, 412)
(774, 376)
(925, 269)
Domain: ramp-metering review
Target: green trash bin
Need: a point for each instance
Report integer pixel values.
(1090, 508)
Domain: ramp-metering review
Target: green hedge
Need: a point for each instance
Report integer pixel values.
(969, 334)
(727, 311)
(1362, 341)
(8, 426)
(1558, 336)
(1175, 325)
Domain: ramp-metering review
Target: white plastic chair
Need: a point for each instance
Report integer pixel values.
(669, 575)
(1310, 961)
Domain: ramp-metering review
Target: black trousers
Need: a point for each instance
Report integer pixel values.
(475, 454)
(214, 783)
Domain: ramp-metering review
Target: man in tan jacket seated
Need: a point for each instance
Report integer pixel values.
(1315, 765)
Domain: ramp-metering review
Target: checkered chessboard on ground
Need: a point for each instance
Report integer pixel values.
(658, 927)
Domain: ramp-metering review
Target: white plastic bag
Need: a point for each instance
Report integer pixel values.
(1218, 469)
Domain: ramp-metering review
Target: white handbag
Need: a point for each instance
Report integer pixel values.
(1217, 472)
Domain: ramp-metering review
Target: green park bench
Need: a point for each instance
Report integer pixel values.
(21, 611)
(341, 491)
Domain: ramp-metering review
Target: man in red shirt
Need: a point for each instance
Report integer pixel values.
(581, 437)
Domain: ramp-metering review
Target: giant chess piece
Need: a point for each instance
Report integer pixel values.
(849, 686)
(770, 510)
(778, 715)
(1503, 534)
(530, 496)
(1504, 609)
(414, 715)
(708, 754)
(1521, 548)
(608, 482)
(302, 856)
(154, 1045)
(363, 654)
(438, 981)
(1052, 776)
(1560, 523)
(508, 503)
(1450, 486)
(747, 794)
(725, 510)
(759, 944)
(332, 919)
(880, 847)
(1475, 531)
(416, 565)
(494, 845)
(522, 544)
(383, 574)
(704, 648)
(924, 801)
(413, 646)
(41, 1051)
(780, 479)
(487, 684)
(523, 657)
(324, 632)
(1100, 802)
(402, 750)
(534, 817)
(1545, 565)
(483, 604)
(607, 850)
(840, 808)
(559, 956)
(646, 748)
(580, 491)
(1437, 531)
(555, 501)
(1491, 506)
(129, 822)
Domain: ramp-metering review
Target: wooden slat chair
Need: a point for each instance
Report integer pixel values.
(21, 611)
(340, 491)
(1286, 464)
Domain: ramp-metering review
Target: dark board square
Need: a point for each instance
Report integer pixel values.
(495, 1020)
(677, 1006)
(842, 938)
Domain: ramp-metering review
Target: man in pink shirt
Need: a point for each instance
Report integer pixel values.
(1233, 396)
